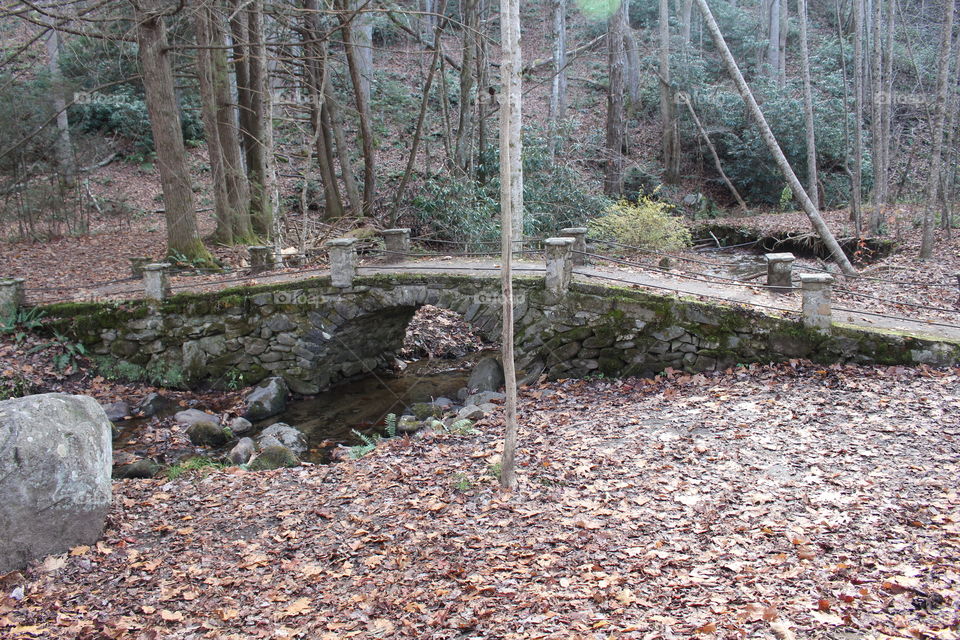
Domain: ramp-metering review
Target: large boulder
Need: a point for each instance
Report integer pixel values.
(274, 457)
(55, 464)
(280, 432)
(486, 376)
(193, 416)
(268, 399)
(207, 434)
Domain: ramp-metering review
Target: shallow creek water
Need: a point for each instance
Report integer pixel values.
(328, 419)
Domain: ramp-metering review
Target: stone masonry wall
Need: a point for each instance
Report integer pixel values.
(315, 335)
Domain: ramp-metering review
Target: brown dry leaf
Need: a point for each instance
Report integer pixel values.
(171, 616)
(79, 550)
(298, 606)
(53, 563)
(710, 627)
(782, 631)
(827, 618)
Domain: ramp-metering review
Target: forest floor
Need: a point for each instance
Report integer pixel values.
(788, 501)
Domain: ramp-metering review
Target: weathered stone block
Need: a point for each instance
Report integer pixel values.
(56, 459)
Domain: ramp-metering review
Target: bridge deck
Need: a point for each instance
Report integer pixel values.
(756, 296)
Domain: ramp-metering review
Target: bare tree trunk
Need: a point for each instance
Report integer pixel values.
(616, 121)
(362, 33)
(265, 214)
(771, 142)
(208, 112)
(782, 44)
(876, 122)
(886, 112)
(856, 195)
(558, 87)
(772, 16)
(63, 151)
(686, 18)
(332, 111)
(363, 113)
(633, 69)
(511, 199)
(417, 135)
(183, 237)
(670, 138)
(464, 140)
(713, 153)
(812, 190)
(933, 182)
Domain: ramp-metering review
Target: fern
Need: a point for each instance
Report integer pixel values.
(391, 422)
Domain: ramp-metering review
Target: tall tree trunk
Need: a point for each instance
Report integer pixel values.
(936, 150)
(686, 19)
(812, 190)
(511, 203)
(332, 110)
(887, 110)
(264, 196)
(182, 235)
(362, 33)
(876, 121)
(670, 138)
(363, 111)
(634, 68)
(616, 121)
(208, 112)
(558, 87)
(816, 220)
(464, 141)
(63, 149)
(856, 195)
(772, 15)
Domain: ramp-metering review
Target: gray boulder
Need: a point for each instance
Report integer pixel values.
(408, 424)
(207, 434)
(470, 412)
(116, 411)
(193, 416)
(240, 426)
(290, 437)
(486, 376)
(152, 404)
(485, 397)
(242, 451)
(55, 463)
(268, 399)
(144, 468)
(274, 458)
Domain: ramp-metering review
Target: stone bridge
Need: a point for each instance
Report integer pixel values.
(318, 331)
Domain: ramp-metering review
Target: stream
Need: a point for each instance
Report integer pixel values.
(328, 419)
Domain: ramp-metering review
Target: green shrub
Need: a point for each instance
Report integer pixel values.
(646, 224)
(556, 195)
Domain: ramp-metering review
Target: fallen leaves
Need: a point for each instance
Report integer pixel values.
(765, 502)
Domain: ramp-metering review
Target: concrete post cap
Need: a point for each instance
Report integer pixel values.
(574, 230)
(779, 257)
(258, 247)
(341, 242)
(559, 242)
(393, 232)
(816, 278)
(156, 266)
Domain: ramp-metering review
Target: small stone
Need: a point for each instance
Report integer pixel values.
(152, 404)
(239, 426)
(274, 457)
(486, 376)
(408, 424)
(193, 416)
(207, 434)
(242, 451)
(290, 437)
(268, 399)
(116, 411)
(470, 412)
(145, 468)
(486, 396)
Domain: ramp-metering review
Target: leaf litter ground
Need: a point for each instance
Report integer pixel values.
(784, 501)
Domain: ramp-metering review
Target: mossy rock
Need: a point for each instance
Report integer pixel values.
(207, 434)
(275, 457)
(145, 468)
(424, 410)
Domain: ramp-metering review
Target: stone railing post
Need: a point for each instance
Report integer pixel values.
(817, 313)
(343, 261)
(780, 269)
(397, 244)
(136, 265)
(559, 254)
(579, 235)
(261, 258)
(11, 296)
(156, 286)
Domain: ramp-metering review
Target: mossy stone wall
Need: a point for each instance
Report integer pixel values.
(314, 335)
